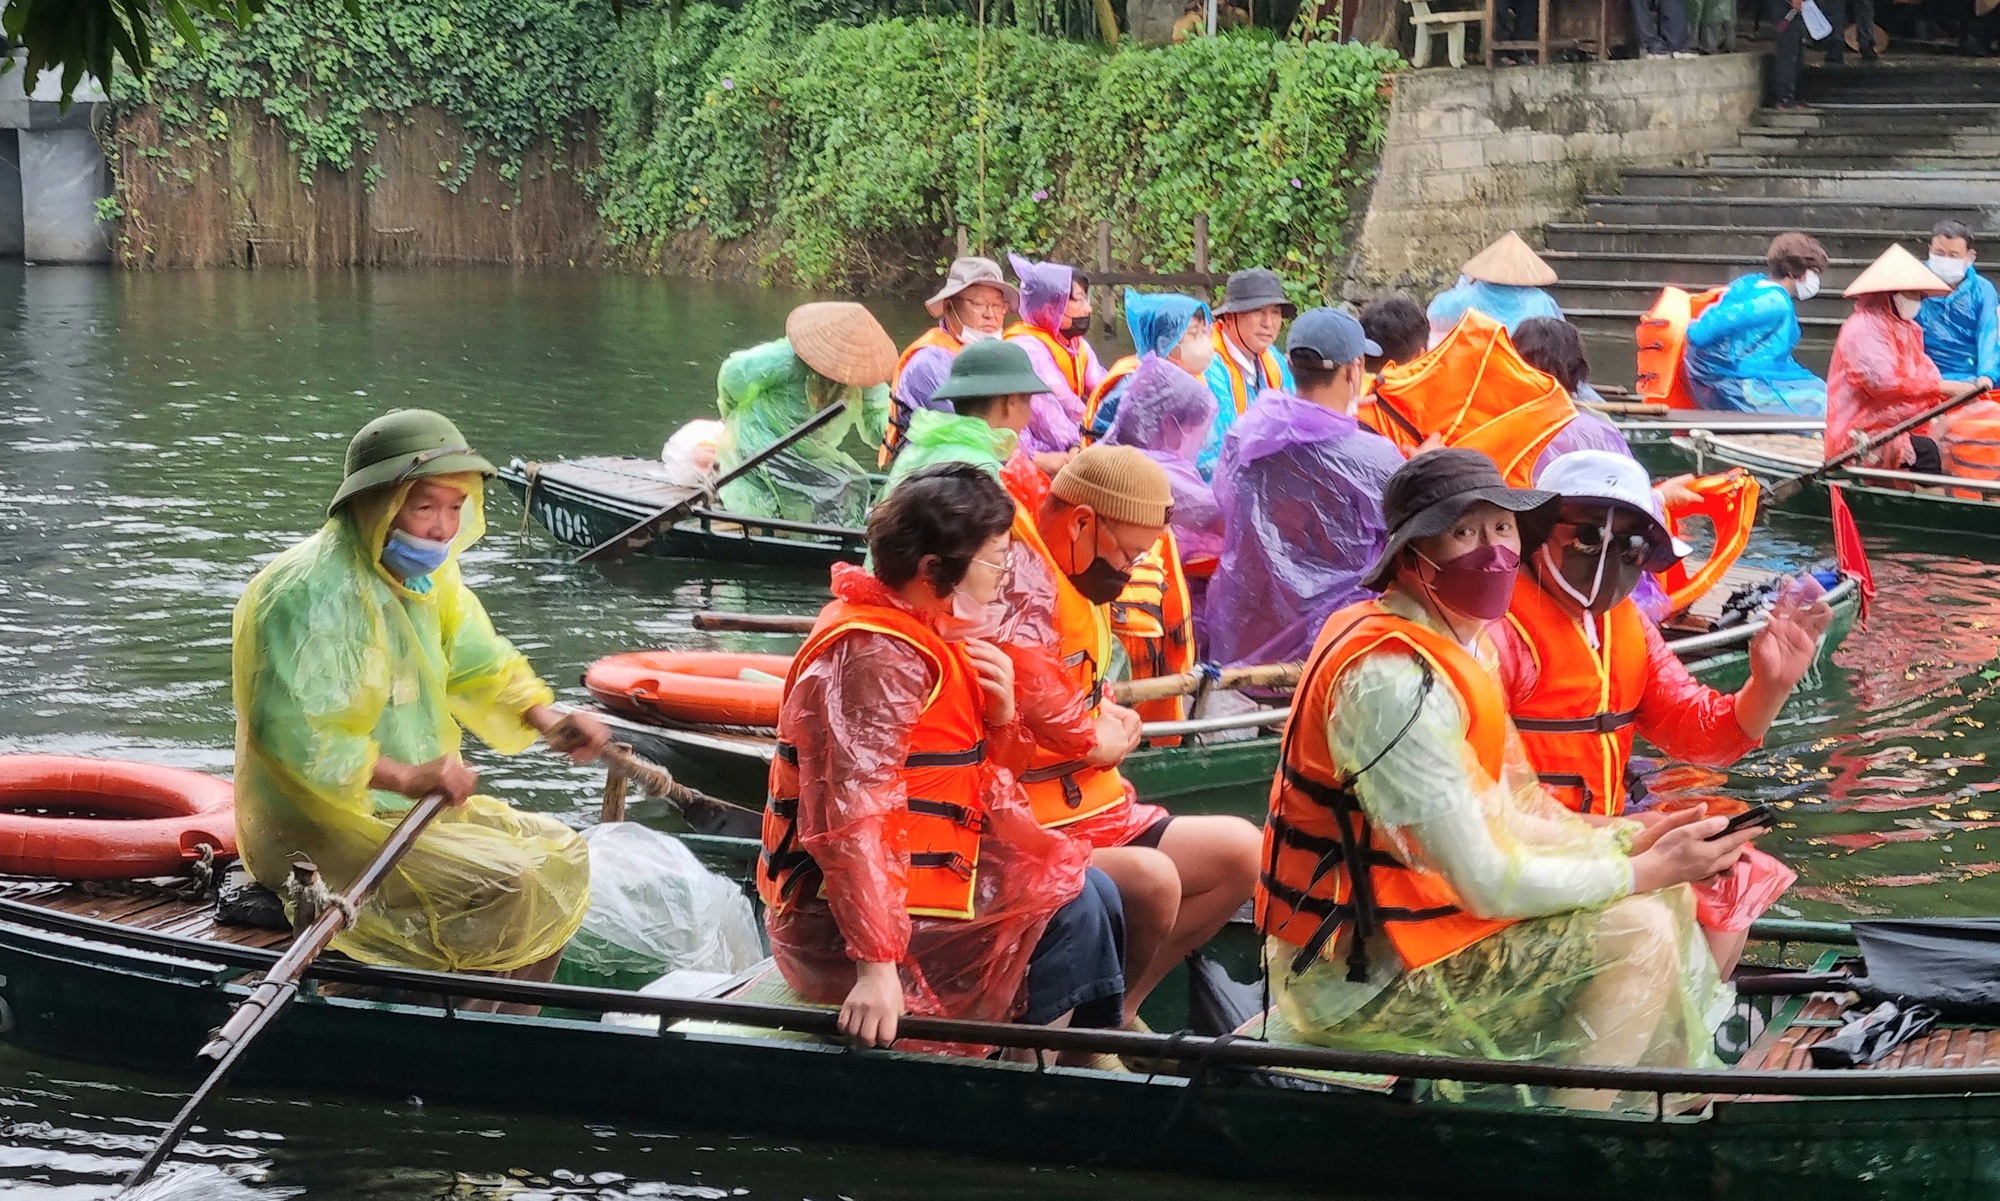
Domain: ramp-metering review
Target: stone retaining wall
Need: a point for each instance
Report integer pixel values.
(1473, 153)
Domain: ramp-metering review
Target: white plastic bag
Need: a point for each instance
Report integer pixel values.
(689, 455)
(655, 909)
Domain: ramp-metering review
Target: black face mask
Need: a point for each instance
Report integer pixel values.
(1100, 583)
(1579, 570)
(1077, 327)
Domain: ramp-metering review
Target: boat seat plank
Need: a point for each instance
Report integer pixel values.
(643, 480)
(1789, 1048)
(159, 910)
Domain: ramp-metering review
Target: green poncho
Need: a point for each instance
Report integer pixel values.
(936, 437)
(764, 393)
(336, 664)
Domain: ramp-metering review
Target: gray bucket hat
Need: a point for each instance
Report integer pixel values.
(406, 444)
(1252, 289)
(990, 368)
(971, 272)
(1430, 492)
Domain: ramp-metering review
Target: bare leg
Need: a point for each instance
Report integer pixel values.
(1216, 858)
(1639, 966)
(1727, 947)
(1150, 890)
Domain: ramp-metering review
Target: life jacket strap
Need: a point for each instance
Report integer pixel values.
(1599, 723)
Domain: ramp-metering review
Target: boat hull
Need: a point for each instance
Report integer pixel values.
(1869, 497)
(75, 999)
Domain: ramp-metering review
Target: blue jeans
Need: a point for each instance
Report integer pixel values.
(1079, 964)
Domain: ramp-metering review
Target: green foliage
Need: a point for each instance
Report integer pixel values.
(849, 137)
(78, 36)
(512, 71)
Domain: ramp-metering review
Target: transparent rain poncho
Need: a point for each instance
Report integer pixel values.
(764, 393)
(1739, 353)
(337, 664)
(1045, 289)
(655, 909)
(1509, 304)
(1878, 378)
(1167, 413)
(1300, 488)
(1157, 321)
(1588, 974)
(935, 437)
(1962, 330)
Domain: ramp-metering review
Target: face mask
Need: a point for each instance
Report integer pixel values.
(1479, 583)
(409, 557)
(970, 618)
(1809, 286)
(1196, 355)
(1908, 306)
(1950, 270)
(1077, 327)
(971, 336)
(1100, 583)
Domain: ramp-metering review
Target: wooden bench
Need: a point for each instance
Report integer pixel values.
(1451, 25)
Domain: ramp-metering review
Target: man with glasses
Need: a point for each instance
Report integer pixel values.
(1583, 671)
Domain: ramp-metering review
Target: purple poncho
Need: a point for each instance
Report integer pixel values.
(1166, 413)
(1058, 412)
(1301, 493)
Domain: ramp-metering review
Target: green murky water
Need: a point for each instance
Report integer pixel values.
(161, 436)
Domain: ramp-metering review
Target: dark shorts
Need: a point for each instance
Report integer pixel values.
(1926, 458)
(1151, 835)
(1079, 964)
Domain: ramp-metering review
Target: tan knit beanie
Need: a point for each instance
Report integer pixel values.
(1119, 483)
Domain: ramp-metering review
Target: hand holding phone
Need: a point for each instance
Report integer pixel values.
(1756, 816)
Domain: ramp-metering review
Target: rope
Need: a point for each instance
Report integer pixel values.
(653, 780)
(312, 897)
(533, 472)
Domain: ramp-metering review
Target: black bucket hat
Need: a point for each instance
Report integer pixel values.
(1255, 288)
(1428, 494)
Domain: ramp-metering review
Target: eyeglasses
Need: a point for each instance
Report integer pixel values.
(1004, 572)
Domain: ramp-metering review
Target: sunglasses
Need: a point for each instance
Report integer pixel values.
(1634, 550)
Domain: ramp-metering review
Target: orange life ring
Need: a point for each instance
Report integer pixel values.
(53, 811)
(1729, 501)
(1970, 442)
(1662, 335)
(693, 686)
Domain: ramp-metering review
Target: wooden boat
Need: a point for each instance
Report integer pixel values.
(1664, 425)
(1876, 496)
(77, 966)
(585, 502)
(733, 762)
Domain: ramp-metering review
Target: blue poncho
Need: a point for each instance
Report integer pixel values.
(1739, 353)
(1509, 304)
(1962, 330)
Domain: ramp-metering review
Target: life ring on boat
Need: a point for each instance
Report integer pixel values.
(705, 687)
(67, 817)
(1969, 442)
(1729, 501)
(1662, 335)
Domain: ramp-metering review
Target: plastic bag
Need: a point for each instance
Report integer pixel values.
(690, 454)
(1736, 898)
(655, 909)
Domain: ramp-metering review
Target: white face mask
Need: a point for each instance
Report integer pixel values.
(1949, 270)
(1908, 306)
(1195, 354)
(968, 335)
(1808, 286)
(970, 618)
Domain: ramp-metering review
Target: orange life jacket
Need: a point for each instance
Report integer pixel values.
(1577, 724)
(1119, 370)
(1662, 335)
(1970, 444)
(1067, 361)
(1239, 383)
(1154, 618)
(899, 410)
(945, 812)
(1729, 501)
(1062, 790)
(1323, 867)
(1476, 391)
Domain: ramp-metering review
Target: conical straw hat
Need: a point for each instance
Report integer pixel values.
(842, 341)
(1897, 271)
(1510, 261)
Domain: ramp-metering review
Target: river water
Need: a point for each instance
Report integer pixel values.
(162, 436)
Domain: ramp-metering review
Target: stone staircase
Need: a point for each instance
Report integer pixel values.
(1882, 154)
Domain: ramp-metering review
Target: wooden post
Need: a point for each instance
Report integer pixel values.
(613, 809)
(1201, 243)
(1491, 32)
(962, 242)
(1106, 300)
(1542, 38)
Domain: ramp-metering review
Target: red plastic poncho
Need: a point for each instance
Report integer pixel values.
(854, 709)
(1879, 376)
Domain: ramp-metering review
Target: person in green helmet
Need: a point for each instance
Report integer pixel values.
(360, 657)
(988, 389)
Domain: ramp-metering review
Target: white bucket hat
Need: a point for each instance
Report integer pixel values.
(1615, 480)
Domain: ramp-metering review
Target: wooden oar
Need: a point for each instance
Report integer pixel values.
(707, 814)
(1186, 683)
(673, 511)
(280, 985)
(755, 623)
(1786, 488)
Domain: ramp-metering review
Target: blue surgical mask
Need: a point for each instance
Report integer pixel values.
(410, 558)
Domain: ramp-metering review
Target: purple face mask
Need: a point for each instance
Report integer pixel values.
(1479, 583)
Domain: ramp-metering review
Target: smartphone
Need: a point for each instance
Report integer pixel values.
(1757, 816)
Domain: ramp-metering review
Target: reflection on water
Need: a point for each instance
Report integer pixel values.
(161, 436)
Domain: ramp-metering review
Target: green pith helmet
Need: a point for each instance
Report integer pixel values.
(990, 368)
(406, 444)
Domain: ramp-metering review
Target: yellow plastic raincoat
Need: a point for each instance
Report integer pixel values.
(337, 663)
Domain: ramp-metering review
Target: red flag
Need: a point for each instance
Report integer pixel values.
(1847, 549)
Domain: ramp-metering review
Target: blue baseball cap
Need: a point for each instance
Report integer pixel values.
(1323, 339)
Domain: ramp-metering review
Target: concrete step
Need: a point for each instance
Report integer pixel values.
(1731, 211)
(1866, 144)
(1810, 159)
(1637, 296)
(1904, 79)
(1970, 188)
(1817, 331)
(1690, 271)
(1682, 240)
(1897, 119)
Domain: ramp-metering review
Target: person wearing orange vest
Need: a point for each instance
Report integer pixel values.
(970, 307)
(1254, 309)
(1164, 325)
(1055, 317)
(1181, 878)
(1584, 671)
(1420, 889)
(901, 870)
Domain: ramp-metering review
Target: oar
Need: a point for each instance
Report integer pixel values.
(1262, 675)
(1786, 488)
(280, 985)
(673, 511)
(755, 623)
(707, 814)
